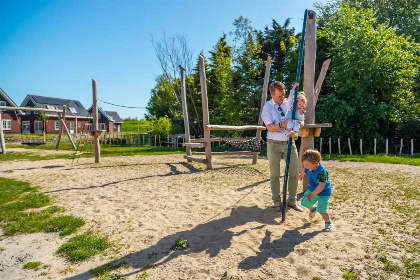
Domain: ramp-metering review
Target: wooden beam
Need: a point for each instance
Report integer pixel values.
(205, 106)
(2, 141)
(95, 122)
(321, 78)
(191, 158)
(63, 124)
(307, 125)
(185, 111)
(63, 118)
(263, 101)
(230, 127)
(308, 87)
(193, 145)
(226, 153)
(8, 108)
(199, 140)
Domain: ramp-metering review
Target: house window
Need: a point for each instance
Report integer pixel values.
(35, 112)
(7, 124)
(79, 124)
(101, 126)
(57, 125)
(3, 103)
(28, 112)
(73, 110)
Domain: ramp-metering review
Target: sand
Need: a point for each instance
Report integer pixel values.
(144, 203)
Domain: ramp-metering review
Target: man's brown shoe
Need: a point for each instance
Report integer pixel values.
(295, 206)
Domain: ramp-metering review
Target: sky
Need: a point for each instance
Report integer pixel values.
(56, 47)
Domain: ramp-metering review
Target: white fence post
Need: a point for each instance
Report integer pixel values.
(401, 145)
(386, 146)
(320, 146)
(329, 145)
(374, 146)
(361, 147)
(412, 147)
(339, 148)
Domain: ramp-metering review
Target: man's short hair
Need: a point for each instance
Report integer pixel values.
(313, 156)
(276, 86)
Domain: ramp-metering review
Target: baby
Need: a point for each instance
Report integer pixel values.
(293, 125)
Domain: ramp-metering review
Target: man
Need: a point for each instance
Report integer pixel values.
(273, 115)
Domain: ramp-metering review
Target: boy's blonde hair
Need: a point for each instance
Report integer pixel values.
(276, 85)
(313, 156)
(301, 97)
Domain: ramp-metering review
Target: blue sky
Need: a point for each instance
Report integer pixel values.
(55, 48)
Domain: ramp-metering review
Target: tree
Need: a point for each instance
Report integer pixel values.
(372, 74)
(160, 126)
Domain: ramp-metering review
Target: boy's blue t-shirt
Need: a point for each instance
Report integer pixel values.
(317, 176)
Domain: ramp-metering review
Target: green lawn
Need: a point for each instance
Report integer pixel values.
(410, 160)
(134, 126)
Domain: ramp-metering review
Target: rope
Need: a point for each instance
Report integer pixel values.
(123, 106)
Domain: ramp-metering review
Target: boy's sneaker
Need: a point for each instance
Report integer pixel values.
(329, 226)
(290, 134)
(312, 214)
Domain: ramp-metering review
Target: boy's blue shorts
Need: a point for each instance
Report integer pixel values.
(322, 202)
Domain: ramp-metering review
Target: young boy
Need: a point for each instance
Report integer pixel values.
(319, 188)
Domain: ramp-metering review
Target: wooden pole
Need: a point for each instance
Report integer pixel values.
(205, 106)
(361, 147)
(339, 148)
(2, 141)
(75, 125)
(97, 147)
(320, 146)
(412, 147)
(185, 112)
(401, 145)
(63, 120)
(321, 78)
(308, 87)
(374, 146)
(329, 145)
(386, 146)
(63, 124)
(263, 101)
(349, 142)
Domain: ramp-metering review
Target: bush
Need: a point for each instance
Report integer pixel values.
(160, 126)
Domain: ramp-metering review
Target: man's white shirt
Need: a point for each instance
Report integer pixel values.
(271, 115)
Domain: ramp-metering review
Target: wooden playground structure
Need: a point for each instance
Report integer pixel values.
(308, 131)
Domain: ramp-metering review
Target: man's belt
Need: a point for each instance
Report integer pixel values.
(277, 141)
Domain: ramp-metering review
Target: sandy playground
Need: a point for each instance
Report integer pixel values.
(144, 203)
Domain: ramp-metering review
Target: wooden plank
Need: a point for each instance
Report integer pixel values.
(199, 140)
(321, 78)
(225, 153)
(317, 131)
(2, 141)
(263, 100)
(194, 145)
(230, 127)
(8, 108)
(205, 106)
(95, 127)
(185, 111)
(315, 125)
(191, 158)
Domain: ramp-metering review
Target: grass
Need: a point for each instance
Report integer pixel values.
(83, 247)
(17, 197)
(32, 265)
(180, 244)
(88, 151)
(410, 160)
(104, 272)
(349, 276)
(135, 126)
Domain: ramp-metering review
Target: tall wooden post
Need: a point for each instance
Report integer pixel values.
(308, 87)
(263, 100)
(3, 144)
(205, 106)
(185, 112)
(95, 122)
(63, 120)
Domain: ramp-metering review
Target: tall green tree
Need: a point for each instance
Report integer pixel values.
(372, 74)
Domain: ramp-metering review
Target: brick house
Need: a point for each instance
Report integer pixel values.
(76, 115)
(108, 120)
(10, 119)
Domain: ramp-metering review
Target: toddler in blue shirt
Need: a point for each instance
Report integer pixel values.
(319, 188)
